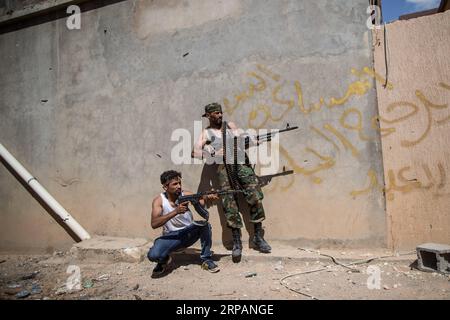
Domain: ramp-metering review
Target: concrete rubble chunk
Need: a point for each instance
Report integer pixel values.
(111, 249)
(432, 257)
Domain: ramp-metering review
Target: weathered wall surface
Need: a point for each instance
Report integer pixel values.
(415, 122)
(90, 113)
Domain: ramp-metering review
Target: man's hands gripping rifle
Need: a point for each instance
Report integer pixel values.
(195, 200)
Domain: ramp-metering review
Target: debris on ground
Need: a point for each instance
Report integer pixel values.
(99, 281)
(103, 277)
(88, 284)
(23, 294)
(250, 274)
(36, 289)
(30, 276)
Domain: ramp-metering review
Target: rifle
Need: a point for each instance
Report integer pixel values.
(194, 199)
(264, 180)
(268, 136)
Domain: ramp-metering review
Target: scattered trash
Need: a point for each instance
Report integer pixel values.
(13, 286)
(23, 294)
(30, 276)
(58, 253)
(61, 290)
(36, 289)
(88, 284)
(12, 292)
(103, 277)
(136, 286)
(251, 274)
(386, 287)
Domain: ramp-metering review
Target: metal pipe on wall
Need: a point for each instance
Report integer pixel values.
(66, 218)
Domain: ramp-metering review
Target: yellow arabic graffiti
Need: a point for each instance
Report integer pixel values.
(283, 102)
(408, 184)
(328, 163)
(357, 88)
(414, 109)
(286, 97)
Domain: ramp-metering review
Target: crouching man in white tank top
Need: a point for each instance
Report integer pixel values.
(179, 229)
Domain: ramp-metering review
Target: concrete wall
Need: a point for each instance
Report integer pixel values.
(415, 120)
(90, 113)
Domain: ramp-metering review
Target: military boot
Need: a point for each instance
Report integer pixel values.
(258, 240)
(237, 245)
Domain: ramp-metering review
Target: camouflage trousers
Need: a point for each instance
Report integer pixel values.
(252, 193)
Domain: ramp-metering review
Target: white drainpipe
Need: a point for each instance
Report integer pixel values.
(44, 195)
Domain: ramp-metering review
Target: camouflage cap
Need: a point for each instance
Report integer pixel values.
(212, 107)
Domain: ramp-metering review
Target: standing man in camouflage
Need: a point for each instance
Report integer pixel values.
(210, 146)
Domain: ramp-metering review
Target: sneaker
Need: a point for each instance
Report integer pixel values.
(210, 266)
(161, 268)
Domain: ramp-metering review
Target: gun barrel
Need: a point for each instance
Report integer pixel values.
(270, 134)
(288, 129)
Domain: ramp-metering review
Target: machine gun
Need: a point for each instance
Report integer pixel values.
(264, 180)
(268, 136)
(194, 199)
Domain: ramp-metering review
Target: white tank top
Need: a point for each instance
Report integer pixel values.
(215, 137)
(178, 222)
(216, 143)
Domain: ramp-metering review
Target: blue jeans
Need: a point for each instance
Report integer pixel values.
(184, 238)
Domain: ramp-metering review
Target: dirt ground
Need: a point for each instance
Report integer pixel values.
(50, 277)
